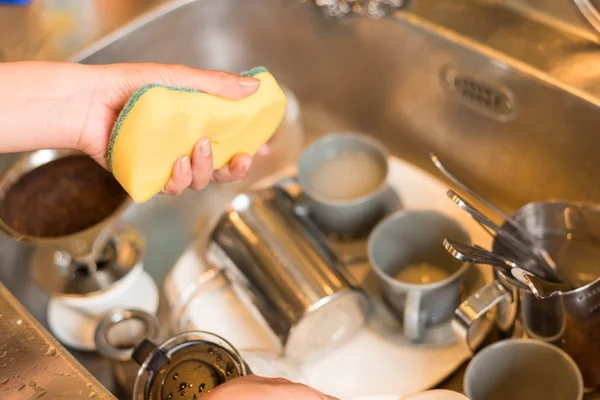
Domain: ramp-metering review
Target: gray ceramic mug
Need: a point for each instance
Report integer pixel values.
(345, 216)
(523, 369)
(409, 238)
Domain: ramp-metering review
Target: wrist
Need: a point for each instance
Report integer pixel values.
(43, 104)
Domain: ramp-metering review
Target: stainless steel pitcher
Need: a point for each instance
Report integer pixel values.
(279, 264)
(571, 320)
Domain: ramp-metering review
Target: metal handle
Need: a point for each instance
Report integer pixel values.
(149, 356)
(468, 317)
(539, 251)
(115, 317)
(413, 324)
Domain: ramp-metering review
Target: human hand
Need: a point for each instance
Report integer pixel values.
(68, 105)
(253, 387)
(118, 82)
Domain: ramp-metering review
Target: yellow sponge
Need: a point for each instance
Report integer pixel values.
(159, 124)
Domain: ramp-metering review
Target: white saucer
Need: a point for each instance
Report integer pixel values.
(75, 328)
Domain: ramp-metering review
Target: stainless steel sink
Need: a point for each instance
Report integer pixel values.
(461, 78)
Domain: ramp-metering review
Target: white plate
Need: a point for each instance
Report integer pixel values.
(377, 360)
(75, 328)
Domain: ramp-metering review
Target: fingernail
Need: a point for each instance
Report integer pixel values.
(186, 166)
(245, 166)
(248, 81)
(205, 146)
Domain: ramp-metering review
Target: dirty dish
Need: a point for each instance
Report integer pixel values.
(345, 177)
(419, 280)
(523, 369)
(75, 328)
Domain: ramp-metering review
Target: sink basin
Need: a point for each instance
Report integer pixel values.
(398, 79)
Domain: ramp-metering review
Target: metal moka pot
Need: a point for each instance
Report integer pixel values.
(569, 319)
(57, 258)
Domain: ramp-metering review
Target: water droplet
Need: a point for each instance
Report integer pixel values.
(201, 388)
(195, 398)
(4, 381)
(170, 396)
(3, 354)
(92, 395)
(51, 352)
(190, 385)
(211, 351)
(182, 386)
(183, 393)
(89, 385)
(22, 387)
(19, 322)
(80, 392)
(219, 358)
(229, 370)
(175, 376)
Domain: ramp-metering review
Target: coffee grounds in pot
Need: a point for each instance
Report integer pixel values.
(62, 197)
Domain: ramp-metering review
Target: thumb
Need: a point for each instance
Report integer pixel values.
(125, 79)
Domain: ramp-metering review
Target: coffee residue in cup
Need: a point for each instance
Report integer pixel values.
(62, 197)
(422, 274)
(348, 175)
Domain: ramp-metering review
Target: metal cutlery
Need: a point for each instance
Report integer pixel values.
(540, 287)
(521, 240)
